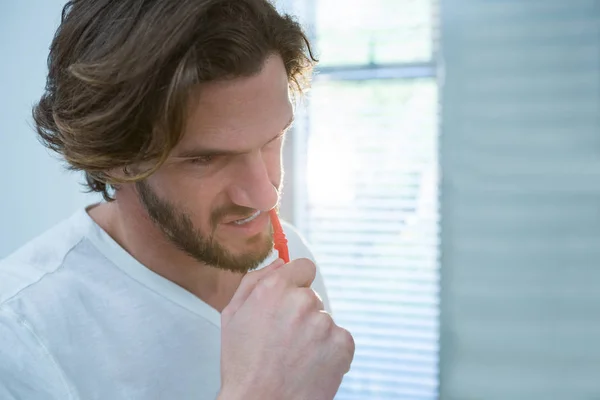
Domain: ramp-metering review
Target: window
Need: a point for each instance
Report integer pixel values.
(365, 187)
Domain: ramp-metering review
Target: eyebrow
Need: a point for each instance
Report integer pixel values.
(207, 152)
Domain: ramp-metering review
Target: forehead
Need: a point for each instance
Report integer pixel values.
(241, 112)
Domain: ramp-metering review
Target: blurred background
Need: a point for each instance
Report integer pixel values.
(445, 168)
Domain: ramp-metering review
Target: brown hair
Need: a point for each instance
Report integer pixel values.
(121, 72)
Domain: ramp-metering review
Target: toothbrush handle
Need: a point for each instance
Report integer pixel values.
(279, 237)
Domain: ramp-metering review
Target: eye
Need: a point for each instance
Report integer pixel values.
(204, 160)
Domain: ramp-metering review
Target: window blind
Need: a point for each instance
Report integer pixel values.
(520, 230)
(365, 192)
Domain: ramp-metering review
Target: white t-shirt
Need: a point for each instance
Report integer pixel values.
(82, 319)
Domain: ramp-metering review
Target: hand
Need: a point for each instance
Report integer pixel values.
(276, 340)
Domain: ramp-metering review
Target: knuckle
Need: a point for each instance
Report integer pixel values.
(303, 261)
(311, 267)
(344, 340)
(305, 300)
(271, 282)
(323, 322)
(267, 286)
(307, 264)
(347, 347)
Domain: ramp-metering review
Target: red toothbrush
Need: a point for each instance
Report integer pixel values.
(279, 237)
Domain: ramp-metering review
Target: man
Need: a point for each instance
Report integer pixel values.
(176, 111)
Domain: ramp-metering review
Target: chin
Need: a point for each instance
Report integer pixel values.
(257, 244)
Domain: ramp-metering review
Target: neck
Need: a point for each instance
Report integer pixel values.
(133, 230)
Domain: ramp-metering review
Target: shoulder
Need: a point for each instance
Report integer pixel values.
(297, 244)
(27, 370)
(39, 258)
(299, 248)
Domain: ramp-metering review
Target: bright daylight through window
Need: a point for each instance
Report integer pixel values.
(366, 193)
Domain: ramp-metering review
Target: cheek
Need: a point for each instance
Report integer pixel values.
(195, 195)
(201, 197)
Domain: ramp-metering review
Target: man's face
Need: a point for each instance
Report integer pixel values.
(211, 198)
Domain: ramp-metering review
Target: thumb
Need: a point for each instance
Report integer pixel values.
(248, 284)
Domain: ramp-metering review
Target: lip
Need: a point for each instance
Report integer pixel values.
(253, 227)
(237, 218)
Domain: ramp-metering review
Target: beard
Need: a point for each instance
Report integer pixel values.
(178, 228)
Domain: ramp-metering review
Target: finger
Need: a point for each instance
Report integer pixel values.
(298, 273)
(304, 300)
(344, 341)
(248, 284)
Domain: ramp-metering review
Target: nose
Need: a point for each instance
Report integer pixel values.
(252, 185)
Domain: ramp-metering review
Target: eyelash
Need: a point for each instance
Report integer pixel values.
(206, 160)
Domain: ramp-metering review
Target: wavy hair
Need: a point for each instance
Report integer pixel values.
(121, 74)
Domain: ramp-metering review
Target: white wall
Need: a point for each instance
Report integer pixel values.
(36, 190)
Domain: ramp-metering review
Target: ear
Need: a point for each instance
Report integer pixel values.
(124, 174)
(119, 174)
